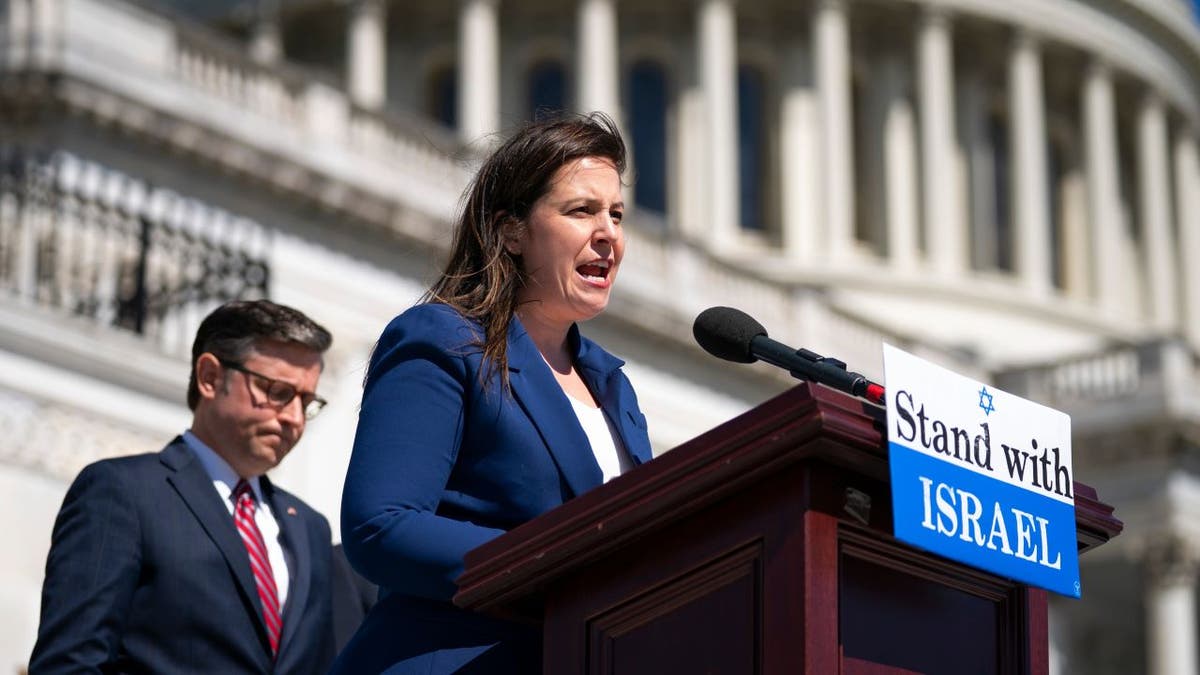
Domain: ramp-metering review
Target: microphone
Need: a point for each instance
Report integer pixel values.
(733, 335)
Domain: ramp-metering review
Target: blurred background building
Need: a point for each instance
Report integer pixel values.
(1011, 189)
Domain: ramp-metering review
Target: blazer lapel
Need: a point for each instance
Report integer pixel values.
(195, 488)
(629, 422)
(295, 540)
(601, 371)
(547, 407)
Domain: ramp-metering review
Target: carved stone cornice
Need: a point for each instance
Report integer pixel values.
(58, 440)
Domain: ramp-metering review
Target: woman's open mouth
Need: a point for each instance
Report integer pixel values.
(596, 272)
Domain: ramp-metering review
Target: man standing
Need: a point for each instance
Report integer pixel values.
(189, 560)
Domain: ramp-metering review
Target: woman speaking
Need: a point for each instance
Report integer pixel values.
(484, 406)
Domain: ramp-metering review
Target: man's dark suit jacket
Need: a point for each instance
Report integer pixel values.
(147, 574)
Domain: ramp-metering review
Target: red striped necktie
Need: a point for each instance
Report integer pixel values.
(260, 563)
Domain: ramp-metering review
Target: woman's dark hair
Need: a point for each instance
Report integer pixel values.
(482, 278)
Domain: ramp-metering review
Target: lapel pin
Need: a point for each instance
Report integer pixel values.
(291, 510)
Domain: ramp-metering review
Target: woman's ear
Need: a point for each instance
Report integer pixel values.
(511, 231)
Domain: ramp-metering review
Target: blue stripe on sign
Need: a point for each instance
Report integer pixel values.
(984, 522)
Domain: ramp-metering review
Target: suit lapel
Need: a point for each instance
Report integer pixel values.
(295, 540)
(547, 407)
(629, 423)
(196, 489)
(600, 370)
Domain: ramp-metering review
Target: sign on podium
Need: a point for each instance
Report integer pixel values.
(979, 475)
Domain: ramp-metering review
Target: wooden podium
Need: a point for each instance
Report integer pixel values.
(762, 546)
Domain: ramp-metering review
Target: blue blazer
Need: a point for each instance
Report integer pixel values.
(147, 574)
(445, 460)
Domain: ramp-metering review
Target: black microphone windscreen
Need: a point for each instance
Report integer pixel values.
(727, 333)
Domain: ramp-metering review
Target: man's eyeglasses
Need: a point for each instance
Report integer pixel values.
(279, 393)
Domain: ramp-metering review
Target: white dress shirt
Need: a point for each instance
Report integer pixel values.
(606, 443)
(224, 480)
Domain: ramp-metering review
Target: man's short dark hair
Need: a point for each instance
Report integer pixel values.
(233, 330)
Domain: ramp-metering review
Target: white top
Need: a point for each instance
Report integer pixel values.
(606, 442)
(225, 479)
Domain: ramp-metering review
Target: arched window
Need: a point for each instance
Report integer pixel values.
(648, 133)
(752, 146)
(441, 95)
(547, 90)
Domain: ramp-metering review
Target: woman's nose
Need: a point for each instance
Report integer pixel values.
(606, 227)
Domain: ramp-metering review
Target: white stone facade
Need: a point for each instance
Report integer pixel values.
(1009, 188)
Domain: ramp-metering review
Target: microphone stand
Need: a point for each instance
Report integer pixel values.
(805, 364)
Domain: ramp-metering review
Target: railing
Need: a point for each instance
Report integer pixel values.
(851, 340)
(674, 274)
(218, 69)
(419, 146)
(306, 103)
(90, 242)
(688, 280)
(1124, 375)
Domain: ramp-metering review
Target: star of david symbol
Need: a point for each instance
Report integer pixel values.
(985, 402)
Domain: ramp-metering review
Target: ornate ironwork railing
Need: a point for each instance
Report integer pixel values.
(88, 241)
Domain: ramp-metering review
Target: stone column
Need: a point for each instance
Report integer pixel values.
(831, 41)
(1031, 199)
(1171, 567)
(1077, 259)
(367, 53)
(799, 142)
(689, 196)
(1103, 188)
(872, 105)
(1154, 189)
(981, 158)
(15, 32)
(1187, 211)
(597, 78)
(899, 165)
(45, 22)
(717, 54)
(266, 42)
(478, 70)
(946, 240)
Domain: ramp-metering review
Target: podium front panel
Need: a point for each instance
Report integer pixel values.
(707, 620)
(717, 593)
(898, 612)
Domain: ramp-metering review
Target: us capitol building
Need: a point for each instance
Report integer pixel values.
(1010, 189)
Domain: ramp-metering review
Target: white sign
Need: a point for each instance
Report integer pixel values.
(980, 475)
